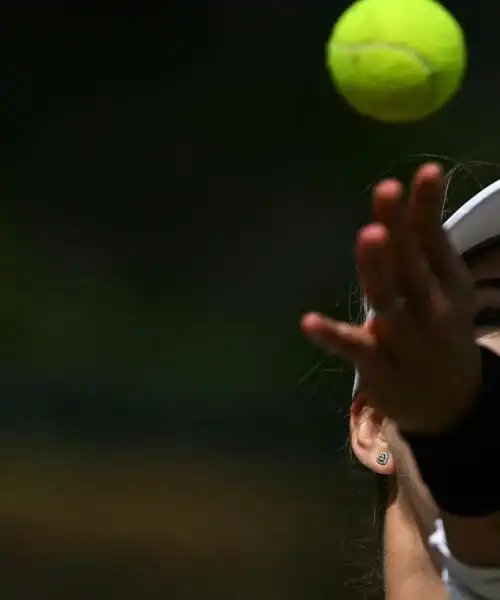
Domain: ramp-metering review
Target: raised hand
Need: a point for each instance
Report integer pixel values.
(416, 353)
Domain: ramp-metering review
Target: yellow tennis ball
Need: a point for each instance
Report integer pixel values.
(397, 60)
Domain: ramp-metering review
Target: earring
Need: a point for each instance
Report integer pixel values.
(383, 459)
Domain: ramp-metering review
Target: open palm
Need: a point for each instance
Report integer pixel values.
(416, 353)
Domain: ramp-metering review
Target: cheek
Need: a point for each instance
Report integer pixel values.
(410, 482)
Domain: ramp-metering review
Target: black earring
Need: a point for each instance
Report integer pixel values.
(383, 458)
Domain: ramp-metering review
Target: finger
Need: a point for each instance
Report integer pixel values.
(426, 198)
(425, 216)
(355, 344)
(425, 209)
(375, 265)
(394, 326)
(414, 276)
(351, 342)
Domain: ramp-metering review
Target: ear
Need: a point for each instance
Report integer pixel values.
(368, 441)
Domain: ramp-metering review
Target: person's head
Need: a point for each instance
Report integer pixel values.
(475, 232)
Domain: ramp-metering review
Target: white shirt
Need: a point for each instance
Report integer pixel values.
(464, 582)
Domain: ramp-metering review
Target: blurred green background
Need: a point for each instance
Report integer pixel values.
(179, 182)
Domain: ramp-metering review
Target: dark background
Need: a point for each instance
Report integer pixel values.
(178, 183)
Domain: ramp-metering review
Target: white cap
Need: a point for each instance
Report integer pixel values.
(473, 223)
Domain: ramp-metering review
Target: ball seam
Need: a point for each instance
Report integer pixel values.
(425, 64)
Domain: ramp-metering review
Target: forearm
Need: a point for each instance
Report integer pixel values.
(412, 570)
(474, 541)
(460, 469)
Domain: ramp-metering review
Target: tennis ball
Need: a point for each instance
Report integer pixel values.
(397, 60)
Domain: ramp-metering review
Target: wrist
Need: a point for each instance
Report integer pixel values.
(456, 462)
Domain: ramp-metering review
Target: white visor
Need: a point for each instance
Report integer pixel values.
(475, 222)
